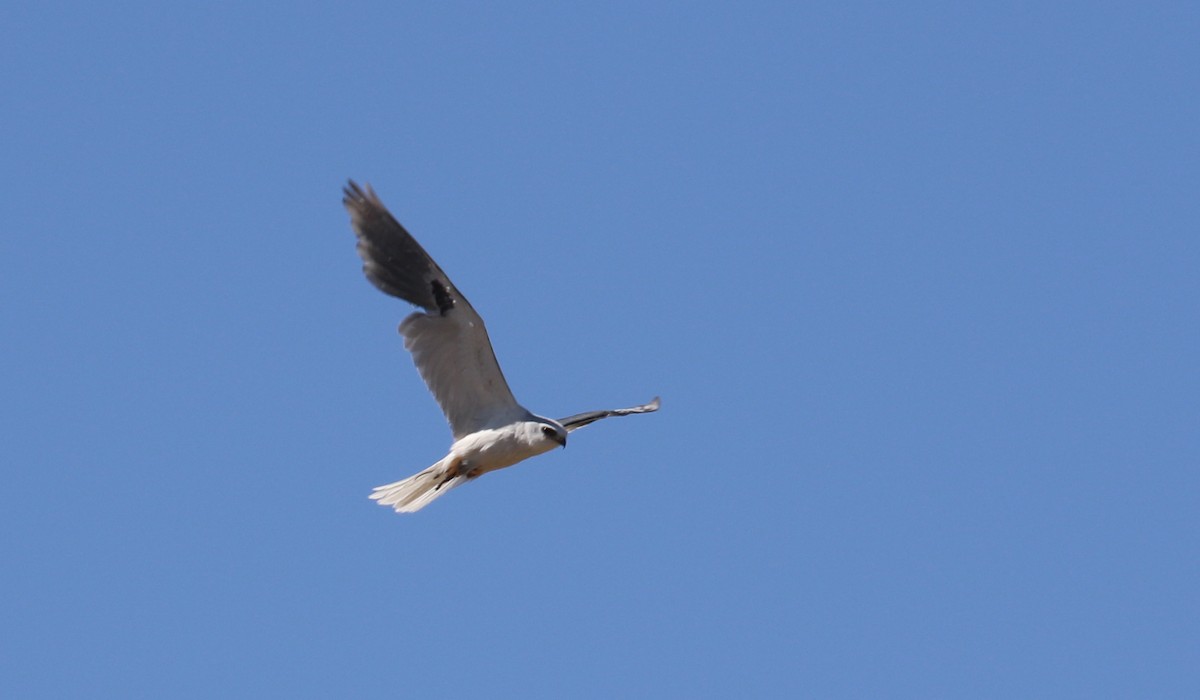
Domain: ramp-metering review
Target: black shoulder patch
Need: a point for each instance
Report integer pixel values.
(441, 295)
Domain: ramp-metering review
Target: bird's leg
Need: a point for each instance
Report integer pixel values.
(457, 468)
(452, 470)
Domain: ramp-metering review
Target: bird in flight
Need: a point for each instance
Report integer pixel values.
(450, 347)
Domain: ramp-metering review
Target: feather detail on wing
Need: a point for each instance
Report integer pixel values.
(448, 340)
(577, 421)
(455, 359)
(392, 259)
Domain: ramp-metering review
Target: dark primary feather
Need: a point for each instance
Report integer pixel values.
(392, 258)
(579, 420)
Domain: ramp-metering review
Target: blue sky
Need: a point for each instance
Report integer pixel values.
(917, 284)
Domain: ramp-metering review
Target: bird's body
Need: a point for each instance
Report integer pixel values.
(451, 349)
(470, 457)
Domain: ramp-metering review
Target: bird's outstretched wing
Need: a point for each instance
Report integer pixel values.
(577, 421)
(448, 340)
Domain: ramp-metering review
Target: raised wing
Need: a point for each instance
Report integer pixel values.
(577, 421)
(448, 340)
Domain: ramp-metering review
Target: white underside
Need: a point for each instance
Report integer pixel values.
(478, 453)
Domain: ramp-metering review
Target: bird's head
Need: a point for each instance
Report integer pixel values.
(550, 431)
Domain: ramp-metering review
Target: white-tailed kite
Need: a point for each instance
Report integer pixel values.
(450, 347)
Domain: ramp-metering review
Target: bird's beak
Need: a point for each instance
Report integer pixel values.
(563, 442)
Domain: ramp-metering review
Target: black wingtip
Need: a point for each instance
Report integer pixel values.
(393, 261)
(355, 197)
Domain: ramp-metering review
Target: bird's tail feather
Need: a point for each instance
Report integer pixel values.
(419, 490)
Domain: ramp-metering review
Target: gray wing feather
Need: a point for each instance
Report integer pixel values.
(448, 340)
(577, 421)
(392, 258)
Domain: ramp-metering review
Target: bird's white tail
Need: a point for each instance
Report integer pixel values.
(419, 490)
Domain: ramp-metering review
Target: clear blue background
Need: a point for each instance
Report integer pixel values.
(918, 284)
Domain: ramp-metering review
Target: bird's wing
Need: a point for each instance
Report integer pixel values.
(448, 341)
(577, 421)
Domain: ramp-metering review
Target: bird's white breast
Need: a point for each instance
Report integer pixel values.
(496, 448)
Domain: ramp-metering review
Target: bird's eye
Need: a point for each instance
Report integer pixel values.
(548, 431)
